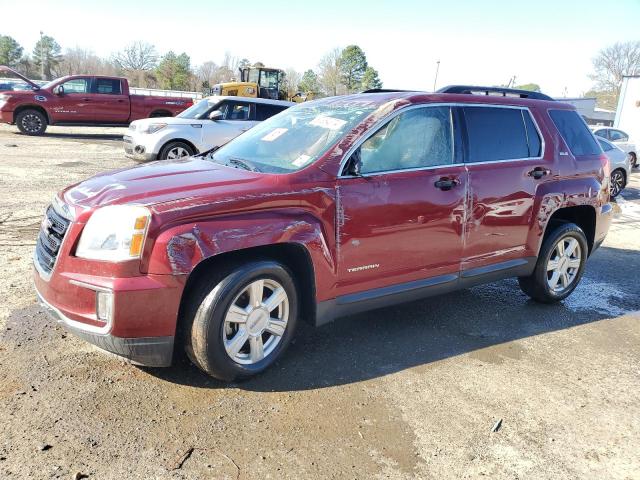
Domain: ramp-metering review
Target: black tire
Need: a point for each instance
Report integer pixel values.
(618, 182)
(634, 159)
(31, 122)
(204, 319)
(166, 151)
(536, 285)
(160, 114)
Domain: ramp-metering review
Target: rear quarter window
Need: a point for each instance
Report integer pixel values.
(575, 132)
(264, 110)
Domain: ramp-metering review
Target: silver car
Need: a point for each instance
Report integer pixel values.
(620, 166)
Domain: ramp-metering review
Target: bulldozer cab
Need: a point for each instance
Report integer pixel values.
(267, 80)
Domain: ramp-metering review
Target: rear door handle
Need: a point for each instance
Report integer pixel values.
(539, 172)
(86, 99)
(446, 183)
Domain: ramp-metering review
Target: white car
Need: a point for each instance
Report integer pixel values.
(620, 139)
(620, 163)
(211, 122)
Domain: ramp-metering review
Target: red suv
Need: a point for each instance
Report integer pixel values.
(330, 208)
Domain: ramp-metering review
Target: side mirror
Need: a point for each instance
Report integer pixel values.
(355, 164)
(59, 90)
(216, 115)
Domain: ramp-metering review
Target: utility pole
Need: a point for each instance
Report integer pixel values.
(42, 56)
(435, 80)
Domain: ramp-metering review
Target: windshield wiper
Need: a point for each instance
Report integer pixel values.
(242, 164)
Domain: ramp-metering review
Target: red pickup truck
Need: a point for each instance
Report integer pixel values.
(81, 100)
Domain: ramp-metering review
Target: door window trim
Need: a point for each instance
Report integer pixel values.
(382, 122)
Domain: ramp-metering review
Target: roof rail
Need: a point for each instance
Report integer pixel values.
(506, 92)
(384, 90)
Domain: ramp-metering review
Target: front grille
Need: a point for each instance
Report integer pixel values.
(52, 232)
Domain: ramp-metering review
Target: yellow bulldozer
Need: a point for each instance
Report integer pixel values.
(260, 82)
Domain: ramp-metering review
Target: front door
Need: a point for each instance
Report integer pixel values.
(74, 103)
(238, 118)
(402, 219)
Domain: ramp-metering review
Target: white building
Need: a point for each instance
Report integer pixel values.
(628, 111)
(587, 109)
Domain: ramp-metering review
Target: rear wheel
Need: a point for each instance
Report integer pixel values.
(174, 150)
(618, 182)
(159, 114)
(560, 265)
(634, 159)
(238, 325)
(31, 122)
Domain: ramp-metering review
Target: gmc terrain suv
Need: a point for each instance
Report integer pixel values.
(329, 208)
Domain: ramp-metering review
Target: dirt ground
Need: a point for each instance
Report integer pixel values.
(407, 392)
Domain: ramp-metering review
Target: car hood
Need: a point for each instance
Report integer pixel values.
(160, 182)
(22, 77)
(170, 121)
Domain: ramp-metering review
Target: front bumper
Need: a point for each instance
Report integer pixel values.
(137, 151)
(147, 351)
(6, 116)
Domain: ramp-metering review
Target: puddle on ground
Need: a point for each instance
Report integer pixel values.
(71, 164)
(601, 297)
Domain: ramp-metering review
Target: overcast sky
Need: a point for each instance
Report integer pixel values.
(485, 42)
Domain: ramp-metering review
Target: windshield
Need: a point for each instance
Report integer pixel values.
(199, 110)
(294, 138)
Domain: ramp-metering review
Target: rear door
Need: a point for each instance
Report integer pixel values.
(75, 104)
(238, 117)
(401, 220)
(111, 104)
(506, 164)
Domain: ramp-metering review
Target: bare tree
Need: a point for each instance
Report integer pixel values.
(137, 56)
(614, 62)
(330, 78)
(80, 61)
(291, 81)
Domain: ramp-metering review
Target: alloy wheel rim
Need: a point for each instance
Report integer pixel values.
(31, 123)
(177, 152)
(564, 264)
(617, 183)
(256, 321)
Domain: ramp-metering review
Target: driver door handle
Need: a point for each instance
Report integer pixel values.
(446, 183)
(539, 172)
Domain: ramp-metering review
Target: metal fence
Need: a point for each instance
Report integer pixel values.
(164, 93)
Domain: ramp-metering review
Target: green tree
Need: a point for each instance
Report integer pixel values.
(370, 79)
(174, 71)
(352, 64)
(46, 56)
(309, 82)
(530, 87)
(10, 51)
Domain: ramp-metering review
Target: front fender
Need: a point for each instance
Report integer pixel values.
(178, 250)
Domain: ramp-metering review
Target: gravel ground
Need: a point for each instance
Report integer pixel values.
(406, 392)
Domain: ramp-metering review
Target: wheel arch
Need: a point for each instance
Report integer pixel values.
(29, 106)
(160, 113)
(183, 140)
(294, 256)
(582, 215)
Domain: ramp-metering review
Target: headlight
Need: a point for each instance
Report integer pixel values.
(115, 233)
(152, 128)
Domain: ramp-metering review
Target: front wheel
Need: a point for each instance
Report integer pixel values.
(31, 122)
(175, 150)
(559, 266)
(240, 324)
(634, 159)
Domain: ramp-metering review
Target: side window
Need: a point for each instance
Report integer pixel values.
(533, 137)
(603, 133)
(238, 111)
(264, 111)
(575, 132)
(108, 86)
(421, 137)
(618, 136)
(77, 85)
(605, 146)
(496, 134)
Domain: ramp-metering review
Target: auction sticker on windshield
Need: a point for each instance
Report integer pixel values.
(275, 133)
(327, 122)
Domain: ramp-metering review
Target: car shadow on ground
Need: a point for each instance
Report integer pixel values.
(83, 136)
(389, 340)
